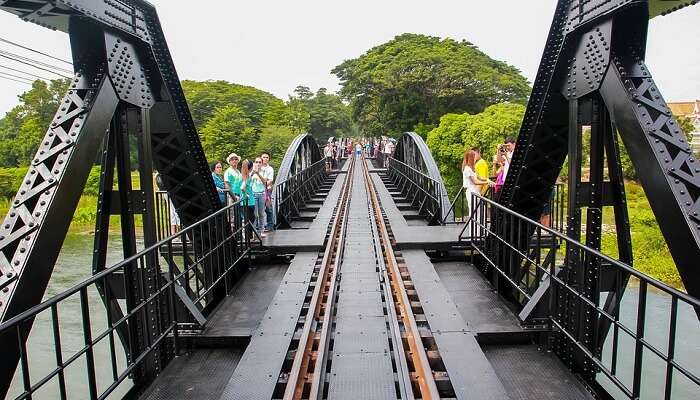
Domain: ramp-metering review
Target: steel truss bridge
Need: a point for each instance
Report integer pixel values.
(375, 284)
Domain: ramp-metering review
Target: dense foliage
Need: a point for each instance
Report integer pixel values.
(228, 130)
(274, 140)
(416, 79)
(459, 132)
(204, 98)
(24, 126)
(649, 248)
(244, 120)
(328, 115)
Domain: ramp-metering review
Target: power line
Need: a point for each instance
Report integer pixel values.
(24, 72)
(35, 51)
(16, 80)
(34, 66)
(15, 76)
(47, 65)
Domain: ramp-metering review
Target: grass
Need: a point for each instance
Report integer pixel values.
(84, 217)
(650, 252)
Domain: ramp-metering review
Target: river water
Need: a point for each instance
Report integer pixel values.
(74, 265)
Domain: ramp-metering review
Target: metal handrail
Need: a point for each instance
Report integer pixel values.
(499, 252)
(292, 193)
(428, 187)
(211, 248)
(394, 160)
(316, 164)
(100, 275)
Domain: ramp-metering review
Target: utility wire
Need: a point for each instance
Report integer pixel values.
(35, 51)
(16, 80)
(24, 72)
(15, 76)
(43, 64)
(32, 65)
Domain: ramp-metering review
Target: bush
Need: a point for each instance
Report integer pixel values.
(11, 180)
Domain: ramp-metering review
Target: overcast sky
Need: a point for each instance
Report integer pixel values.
(276, 45)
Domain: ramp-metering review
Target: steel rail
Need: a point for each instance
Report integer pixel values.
(318, 306)
(402, 369)
(426, 381)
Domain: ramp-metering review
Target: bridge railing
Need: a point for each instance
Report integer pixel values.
(173, 285)
(647, 351)
(423, 192)
(292, 194)
(459, 213)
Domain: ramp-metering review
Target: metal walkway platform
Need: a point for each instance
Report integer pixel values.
(415, 237)
(483, 351)
(312, 236)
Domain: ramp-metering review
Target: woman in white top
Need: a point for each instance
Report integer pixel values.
(470, 180)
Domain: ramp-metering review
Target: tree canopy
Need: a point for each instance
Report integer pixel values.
(415, 79)
(23, 127)
(274, 140)
(228, 130)
(459, 132)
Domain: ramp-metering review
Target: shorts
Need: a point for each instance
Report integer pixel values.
(174, 218)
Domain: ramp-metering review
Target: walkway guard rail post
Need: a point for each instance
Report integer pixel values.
(633, 344)
(200, 259)
(421, 190)
(457, 213)
(292, 194)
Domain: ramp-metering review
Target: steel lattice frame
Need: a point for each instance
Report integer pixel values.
(411, 149)
(302, 153)
(124, 72)
(593, 73)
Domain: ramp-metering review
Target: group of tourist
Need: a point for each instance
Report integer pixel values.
(332, 152)
(250, 182)
(475, 175)
(475, 170)
(379, 148)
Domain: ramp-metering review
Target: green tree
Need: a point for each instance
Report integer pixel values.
(25, 125)
(275, 140)
(303, 93)
(459, 132)
(229, 130)
(329, 116)
(204, 98)
(686, 125)
(416, 79)
(294, 115)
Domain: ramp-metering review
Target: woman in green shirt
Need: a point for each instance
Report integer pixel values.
(232, 176)
(258, 183)
(246, 191)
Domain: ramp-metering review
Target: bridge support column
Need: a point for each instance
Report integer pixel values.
(588, 274)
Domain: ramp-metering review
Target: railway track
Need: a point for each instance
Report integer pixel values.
(362, 332)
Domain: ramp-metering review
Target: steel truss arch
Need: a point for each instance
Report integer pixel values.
(301, 168)
(412, 150)
(593, 74)
(125, 87)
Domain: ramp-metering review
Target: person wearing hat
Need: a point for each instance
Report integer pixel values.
(232, 176)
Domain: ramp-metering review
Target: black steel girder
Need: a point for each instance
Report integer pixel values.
(598, 47)
(411, 149)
